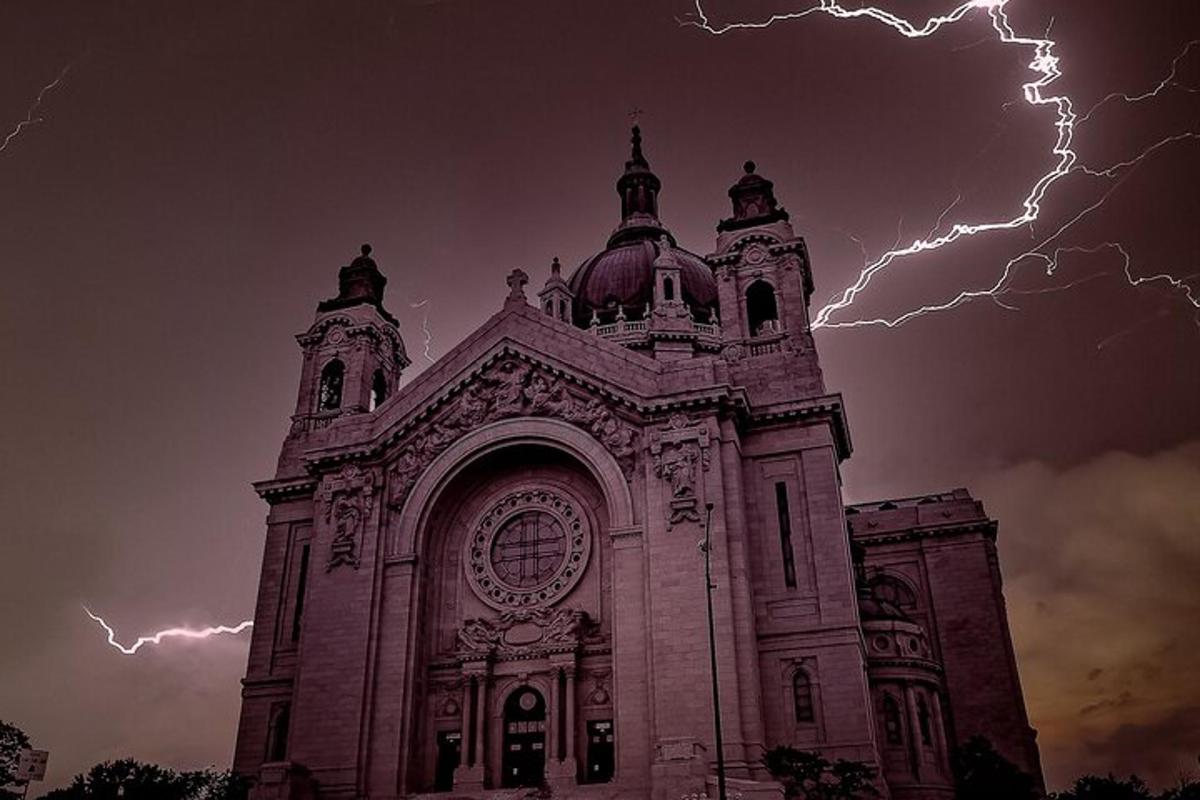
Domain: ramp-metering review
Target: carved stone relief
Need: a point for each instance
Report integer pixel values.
(524, 633)
(508, 389)
(679, 452)
(348, 498)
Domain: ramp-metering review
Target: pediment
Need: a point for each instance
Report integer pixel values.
(519, 364)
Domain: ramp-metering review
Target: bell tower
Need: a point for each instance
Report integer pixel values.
(764, 284)
(353, 353)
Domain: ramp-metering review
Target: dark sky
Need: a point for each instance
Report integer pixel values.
(203, 169)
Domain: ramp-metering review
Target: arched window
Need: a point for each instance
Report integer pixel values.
(562, 310)
(893, 590)
(329, 397)
(550, 307)
(668, 289)
(923, 721)
(277, 732)
(762, 312)
(892, 730)
(379, 389)
(802, 697)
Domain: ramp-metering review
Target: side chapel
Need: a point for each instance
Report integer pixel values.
(489, 578)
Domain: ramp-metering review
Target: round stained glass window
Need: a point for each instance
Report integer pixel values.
(529, 548)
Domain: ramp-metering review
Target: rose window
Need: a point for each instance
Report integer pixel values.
(527, 549)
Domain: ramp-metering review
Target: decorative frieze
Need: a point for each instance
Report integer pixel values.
(523, 633)
(510, 388)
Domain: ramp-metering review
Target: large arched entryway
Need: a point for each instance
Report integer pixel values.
(524, 746)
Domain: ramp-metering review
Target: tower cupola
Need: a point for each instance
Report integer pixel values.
(638, 188)
(754, 202)
(360, 282)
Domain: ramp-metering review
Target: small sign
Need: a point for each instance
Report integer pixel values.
(31, 765)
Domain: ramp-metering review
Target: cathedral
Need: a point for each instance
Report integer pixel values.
(494, 576)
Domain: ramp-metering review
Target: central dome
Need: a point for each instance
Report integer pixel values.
(623, 275)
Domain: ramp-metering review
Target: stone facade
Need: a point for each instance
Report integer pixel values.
(490, 578)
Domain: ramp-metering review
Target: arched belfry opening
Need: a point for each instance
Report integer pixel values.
(762, 309)
(516, 609)
(379, 389)
(329, 393)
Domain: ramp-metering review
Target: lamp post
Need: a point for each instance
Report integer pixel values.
(712, 650)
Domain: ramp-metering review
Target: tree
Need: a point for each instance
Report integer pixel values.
(1092, 787)
(134, 780)
(1186, 789)
(12, 741)
(808, 776)
(980, 773)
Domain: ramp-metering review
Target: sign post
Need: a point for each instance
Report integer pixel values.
(31, 766)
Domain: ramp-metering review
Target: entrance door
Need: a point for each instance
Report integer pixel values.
(449, 754)
(599, 750)
(524, 759)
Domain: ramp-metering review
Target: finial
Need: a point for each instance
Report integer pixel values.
(366, 249)
(749, 166)
(637, 156)
(555, 267)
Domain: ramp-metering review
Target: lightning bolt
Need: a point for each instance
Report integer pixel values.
(169, 633)
(1036, 92)
(425, 328)
(1168, 82)
(30, 115)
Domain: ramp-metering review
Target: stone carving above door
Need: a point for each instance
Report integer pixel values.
(509, 388)
(524, 633)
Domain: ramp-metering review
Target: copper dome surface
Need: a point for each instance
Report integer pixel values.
(624, 275)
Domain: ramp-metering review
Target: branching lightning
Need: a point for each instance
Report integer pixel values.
(1168, 82)
(169, 633)
(31, 117)
(1046, 68)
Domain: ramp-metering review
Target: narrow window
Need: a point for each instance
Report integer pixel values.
(329, 397)
(891, 720)
(668, 289)
(562, 310)
(923, 721)
(277, 732)
(762, 312)
(785, 535)
(301, 584)
(802, 699)
(379, 389)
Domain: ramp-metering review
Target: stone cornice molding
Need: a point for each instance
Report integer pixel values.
(280, 489)
(986, 527)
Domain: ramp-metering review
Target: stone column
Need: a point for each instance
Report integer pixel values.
(914, 725)
(468, 707)
(552, 712)
(471, 769)
(561, 771)
(939, 733)
(481, 721)
(569, 739)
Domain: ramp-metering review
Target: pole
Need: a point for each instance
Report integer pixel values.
(712, 652)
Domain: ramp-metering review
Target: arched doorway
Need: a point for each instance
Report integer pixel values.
(524, 753)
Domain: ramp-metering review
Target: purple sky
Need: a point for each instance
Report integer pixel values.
(203, 170)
